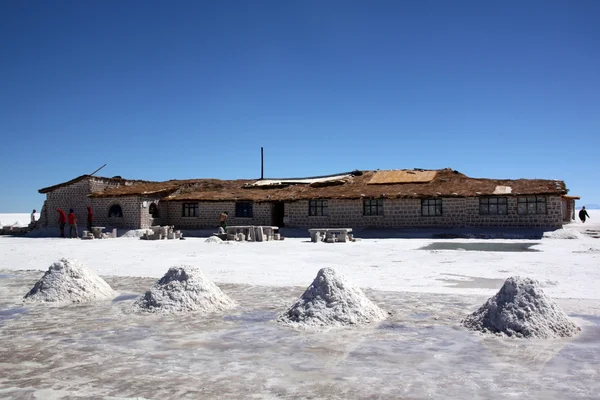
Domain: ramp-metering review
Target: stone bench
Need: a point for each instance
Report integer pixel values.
(330, 235)
(252, 233)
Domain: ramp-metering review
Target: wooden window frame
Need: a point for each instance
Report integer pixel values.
(500, 203)
(532, 205)
(189, 210)
(370, 205)
(434, 204)
(318, 208)
(244, 209)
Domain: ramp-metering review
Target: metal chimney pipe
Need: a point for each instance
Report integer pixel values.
(262, 163)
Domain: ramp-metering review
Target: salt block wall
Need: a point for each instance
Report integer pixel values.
(396, 213)
(146, 219)
(552, 218)
(75, 196)
(72, 196)
(456, 212)
(130, 206)
(208, 214)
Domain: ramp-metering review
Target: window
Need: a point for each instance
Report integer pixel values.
(531, 205)
(373, 207)
(115, 211)
(493, 206)
(243, 209)
(189, 210)
(318, 208)
(153, 210)
(431, 207)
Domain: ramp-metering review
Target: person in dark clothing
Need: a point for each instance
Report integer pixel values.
(73, 224)
(90, 218)
(583, 214)
(62, 220)
(223, 221)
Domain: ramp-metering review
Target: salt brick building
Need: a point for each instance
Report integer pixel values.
(386, 199)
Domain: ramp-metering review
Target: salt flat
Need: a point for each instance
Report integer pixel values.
(566, 268)
(106, 350)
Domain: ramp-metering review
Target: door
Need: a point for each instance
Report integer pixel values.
(278, 213)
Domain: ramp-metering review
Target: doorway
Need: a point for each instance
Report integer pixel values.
(278, 213)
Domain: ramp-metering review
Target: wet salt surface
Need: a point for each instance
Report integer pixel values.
(484, 246)
(420, 351)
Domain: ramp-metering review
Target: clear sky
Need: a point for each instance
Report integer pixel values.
(192, 89)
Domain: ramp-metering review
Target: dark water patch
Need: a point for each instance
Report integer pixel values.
(6, 276)
(472, 282)
(125, 297)
(494, 247)
(393, 326)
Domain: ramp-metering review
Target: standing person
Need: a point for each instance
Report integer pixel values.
(583, 214)
(73, 224)
(62, 220)
(33, 221)
(223, 221)
(90, 219)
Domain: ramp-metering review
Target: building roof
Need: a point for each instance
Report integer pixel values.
(147, 188)
(352, 185)
(444, 183)
(118, 180)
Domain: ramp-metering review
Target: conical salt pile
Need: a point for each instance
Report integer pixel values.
(69, 281)
(214, 239)
(521, 309)
(331, 301)
(183, 289)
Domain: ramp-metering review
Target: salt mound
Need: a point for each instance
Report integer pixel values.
(331, 301)
(133, 233)
(523, 310)
(183, 288)
(561, 234)
(214, 239)
(69, 281)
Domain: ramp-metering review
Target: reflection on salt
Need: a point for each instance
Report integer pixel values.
(115, 353)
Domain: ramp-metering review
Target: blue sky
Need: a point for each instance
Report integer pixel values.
(189, 89)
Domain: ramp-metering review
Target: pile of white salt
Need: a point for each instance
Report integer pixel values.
(69, 281)
(331, 301)
(521, 309)
(183, 289)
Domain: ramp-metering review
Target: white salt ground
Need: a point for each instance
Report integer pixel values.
(521, 309)
(69, 281)
(183, 289)
(331, 301)
(562, 234)
(133, 233)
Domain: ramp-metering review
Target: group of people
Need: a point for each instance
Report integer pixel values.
(71, 219)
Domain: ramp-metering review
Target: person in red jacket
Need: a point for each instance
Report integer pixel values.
(90, 219)
(62, 220)
(72, 224)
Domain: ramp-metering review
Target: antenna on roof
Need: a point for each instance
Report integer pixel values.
(98, 169)
(262, 163)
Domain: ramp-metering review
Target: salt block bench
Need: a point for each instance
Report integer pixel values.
(97, 231)
(335, 234)
(253, 232)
